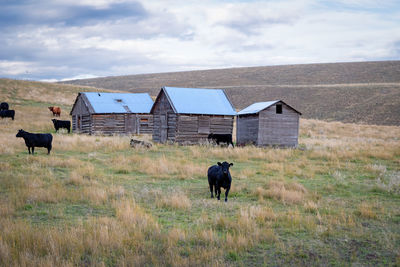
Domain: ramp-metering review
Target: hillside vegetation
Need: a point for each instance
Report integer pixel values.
(362, 92)
(95, 201)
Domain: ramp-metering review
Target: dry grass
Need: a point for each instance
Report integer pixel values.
(177, 200)
(288, 193)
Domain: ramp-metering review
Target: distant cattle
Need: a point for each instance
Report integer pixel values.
(33, 140)
(4, 106)
(61, 124)
(7, 114)
(219, 176)
(56, 111)
(221, 138)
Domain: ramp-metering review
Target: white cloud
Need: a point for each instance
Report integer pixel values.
(184, 35)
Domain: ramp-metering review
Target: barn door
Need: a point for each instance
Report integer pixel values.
(164, 128)
(131, 124)
(79, 123)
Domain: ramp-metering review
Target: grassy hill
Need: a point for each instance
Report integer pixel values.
(362, 92)
(96, 201)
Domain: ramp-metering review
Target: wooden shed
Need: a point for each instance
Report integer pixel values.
(271, 123)
(189, 115)
(112, 113)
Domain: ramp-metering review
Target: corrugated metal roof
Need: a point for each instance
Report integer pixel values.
(199, 101)
(119, 102)
(257, 107)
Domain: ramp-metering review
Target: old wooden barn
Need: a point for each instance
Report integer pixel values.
(112, 113)
(268, 123)
(189, 115)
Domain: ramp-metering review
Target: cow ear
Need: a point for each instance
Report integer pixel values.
(219, 163)
(230, 164)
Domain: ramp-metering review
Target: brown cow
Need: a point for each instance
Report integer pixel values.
(56, 111)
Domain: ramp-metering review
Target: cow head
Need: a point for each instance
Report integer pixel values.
(54, 121)
(20, 133)
(51, 108)
(225, 167)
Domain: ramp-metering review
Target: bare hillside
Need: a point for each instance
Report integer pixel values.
(362, 92)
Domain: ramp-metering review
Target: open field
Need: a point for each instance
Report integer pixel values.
(357, 92)
(96, 201)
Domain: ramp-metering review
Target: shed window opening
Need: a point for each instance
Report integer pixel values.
(144, 120)
(279, 109)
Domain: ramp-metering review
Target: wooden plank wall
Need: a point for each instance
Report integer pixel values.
(80, 107)
(86, 124)
(278, 129)
(108, 124)
(162, 107)
(145, 123)
(192, 129)
(247, 129)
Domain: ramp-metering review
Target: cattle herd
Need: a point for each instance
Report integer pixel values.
(218, 175)
(33, 140)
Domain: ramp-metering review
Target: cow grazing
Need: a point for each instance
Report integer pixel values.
(221, 138)
(7, 114)
(33, 140)
(4, 106)
(61, 124)
(56, 111)
(219, 176)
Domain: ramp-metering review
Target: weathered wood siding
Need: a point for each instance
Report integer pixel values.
(191, 129)
(108, 124)
(164, 120)
(81, 121)
(278, 129)
(247, 129)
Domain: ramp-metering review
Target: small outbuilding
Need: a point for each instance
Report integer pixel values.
(189, 115)
(272, 123)
(112, 113)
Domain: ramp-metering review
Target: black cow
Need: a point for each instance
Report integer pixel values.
(33, 140)
(7, 114)
(221, 138)
(61, 124)
(4, 106)
(219, 176)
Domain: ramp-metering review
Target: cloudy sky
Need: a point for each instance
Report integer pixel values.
(64, 39)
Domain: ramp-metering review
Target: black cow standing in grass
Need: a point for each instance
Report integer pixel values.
(33, 140)
(219, 176)
(4, 106)
(61, 124)
(7, 114)
(221, 138)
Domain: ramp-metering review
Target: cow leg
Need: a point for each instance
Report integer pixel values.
(69, 129)
(218, 192)
(33, 150)
(29, 149)
(226, 193)
(48, 150)
(211, 190)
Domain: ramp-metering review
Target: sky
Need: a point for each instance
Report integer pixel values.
(55, 40)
